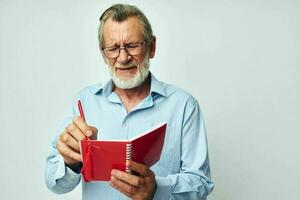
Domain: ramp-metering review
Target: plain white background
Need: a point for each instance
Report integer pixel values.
(240, 59)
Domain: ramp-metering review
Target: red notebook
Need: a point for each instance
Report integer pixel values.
(101, 156)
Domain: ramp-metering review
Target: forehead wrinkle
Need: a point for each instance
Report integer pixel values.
(120, 33)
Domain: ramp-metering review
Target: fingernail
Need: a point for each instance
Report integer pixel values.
(113, 172)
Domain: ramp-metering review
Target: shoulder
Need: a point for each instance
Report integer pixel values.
(181, 100)
(175, 92)
(89, 90)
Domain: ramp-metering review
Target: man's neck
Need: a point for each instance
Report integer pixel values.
(131, 97)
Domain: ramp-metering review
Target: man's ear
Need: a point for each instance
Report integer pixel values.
(103, 56)
(153, 47)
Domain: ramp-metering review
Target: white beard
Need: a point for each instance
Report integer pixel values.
(137, 80)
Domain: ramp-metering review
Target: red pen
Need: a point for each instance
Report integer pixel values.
(81, 114)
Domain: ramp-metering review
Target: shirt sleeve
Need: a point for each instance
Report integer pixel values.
(193, 181)
(58, 177)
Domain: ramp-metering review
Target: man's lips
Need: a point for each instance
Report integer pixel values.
(125, 68)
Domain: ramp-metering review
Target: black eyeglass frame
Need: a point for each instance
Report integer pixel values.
(130, 46)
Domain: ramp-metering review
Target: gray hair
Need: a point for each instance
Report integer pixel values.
(121, 12)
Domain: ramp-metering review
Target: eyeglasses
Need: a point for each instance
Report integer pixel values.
(132, 49)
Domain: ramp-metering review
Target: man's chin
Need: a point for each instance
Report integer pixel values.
(127, 83)
(124, 85)
(129, 80)
(126, 77)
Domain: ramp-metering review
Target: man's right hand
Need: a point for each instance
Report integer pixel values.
(68, 142)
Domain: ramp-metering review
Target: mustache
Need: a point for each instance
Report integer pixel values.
(130, 65)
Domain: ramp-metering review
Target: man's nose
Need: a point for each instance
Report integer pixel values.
(123, 57)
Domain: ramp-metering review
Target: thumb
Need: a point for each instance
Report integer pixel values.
(95, 133)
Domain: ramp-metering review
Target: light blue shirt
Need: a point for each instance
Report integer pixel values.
(183, 170)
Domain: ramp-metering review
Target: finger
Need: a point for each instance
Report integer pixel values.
(124, 187)
(70, 141)
(75, 132)
(95, 132)
(85, 129)
(126, 177)
(143, 170)
(119, 189)
(67, 152)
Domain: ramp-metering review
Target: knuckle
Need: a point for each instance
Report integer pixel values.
(76, 119)
(145, 194)
(142, 195)
(69, 154)
(144, 170)
(64, 138)
(137, 182)
(120, 175)
(63, 153)
(81, 137)
(130, 189)
(87, 131)
(70, 127)
(148, 179)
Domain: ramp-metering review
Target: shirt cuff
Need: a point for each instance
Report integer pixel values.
(163, 188)
(65, 172)
(72, 176)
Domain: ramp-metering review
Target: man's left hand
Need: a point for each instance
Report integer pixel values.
(140, 185)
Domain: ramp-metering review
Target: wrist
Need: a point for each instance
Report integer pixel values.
(75, 167)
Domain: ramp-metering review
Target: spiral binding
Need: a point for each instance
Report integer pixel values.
(128, 155)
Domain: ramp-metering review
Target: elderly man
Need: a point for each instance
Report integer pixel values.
(130, 103)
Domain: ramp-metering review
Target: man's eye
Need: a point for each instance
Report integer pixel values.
(131, 46)
(113, 49)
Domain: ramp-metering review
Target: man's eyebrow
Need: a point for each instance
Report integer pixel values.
(132, 43)
(111, 45)
(116, 45)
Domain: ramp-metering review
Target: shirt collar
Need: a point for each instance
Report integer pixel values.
(106, 88)
(156, 87)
